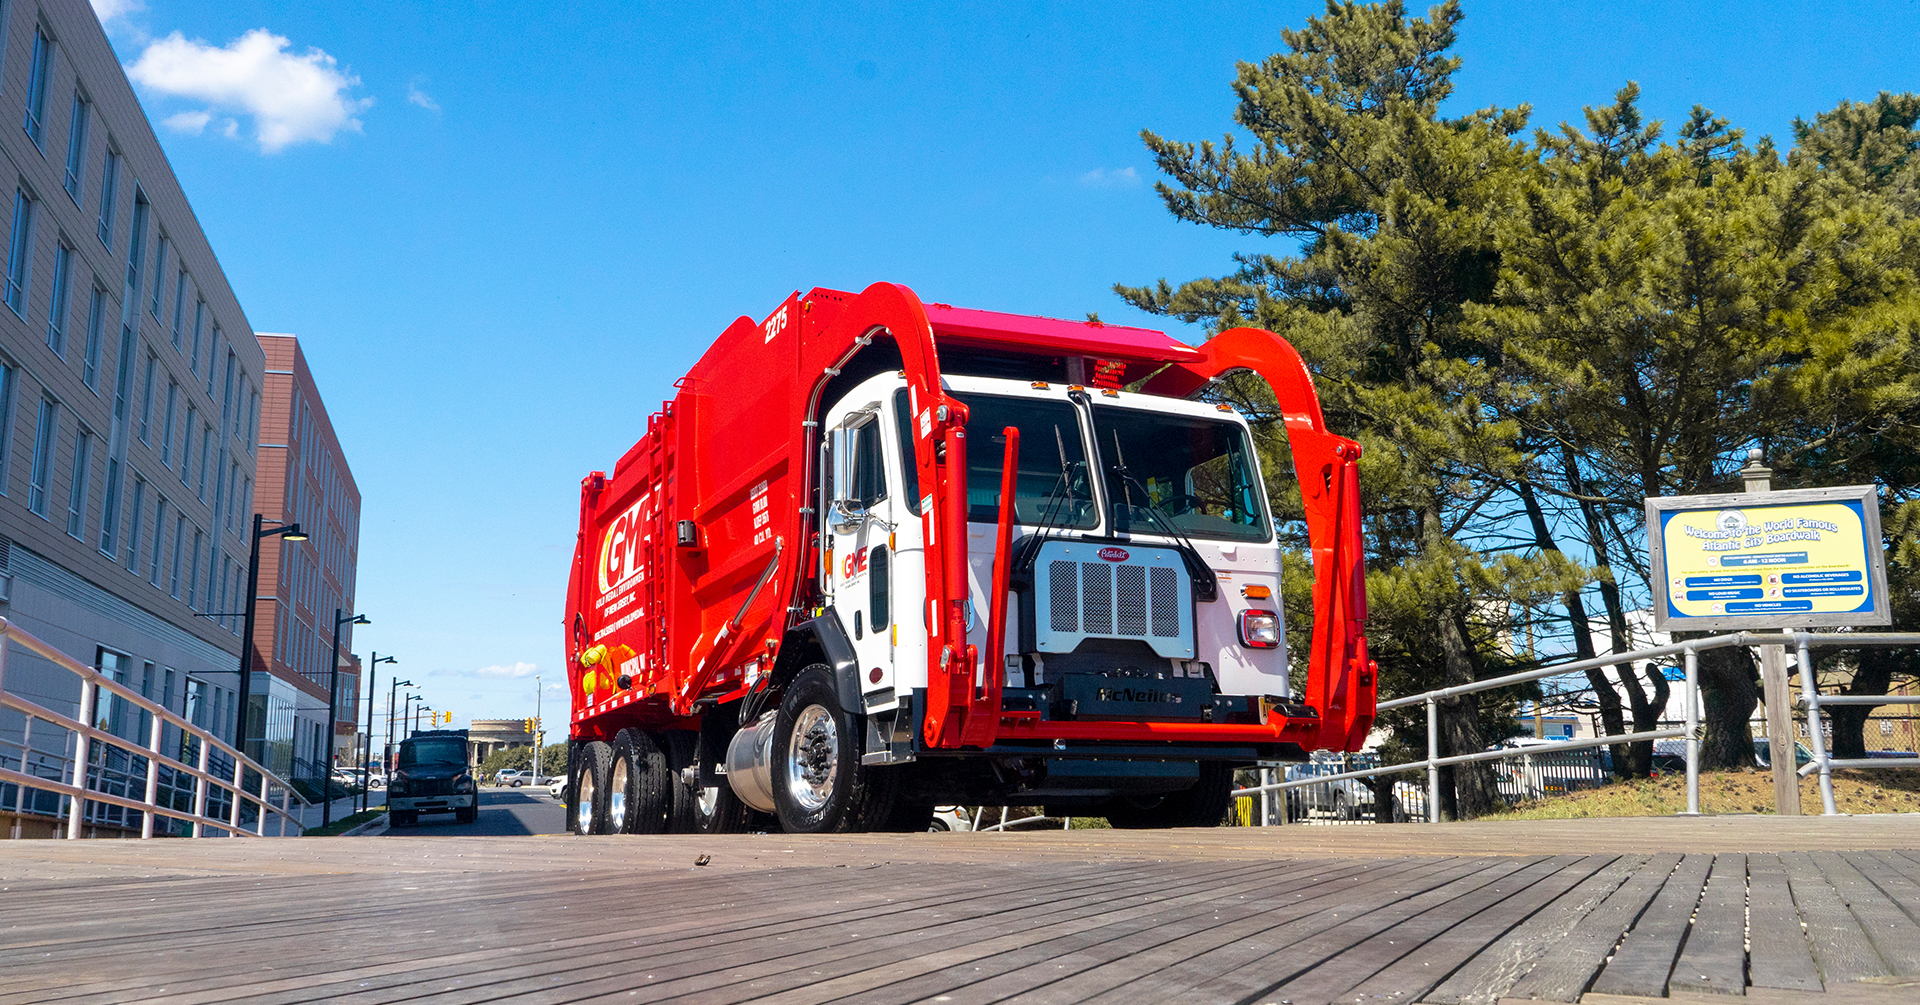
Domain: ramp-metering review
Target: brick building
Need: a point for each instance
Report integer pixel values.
(129, 395)
(304, 479)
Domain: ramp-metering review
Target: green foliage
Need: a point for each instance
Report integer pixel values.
(1529, 338)
(553, 761)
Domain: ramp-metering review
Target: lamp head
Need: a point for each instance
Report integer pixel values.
(292, 532)
(360, 619)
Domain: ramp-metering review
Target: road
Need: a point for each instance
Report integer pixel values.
(503, 813)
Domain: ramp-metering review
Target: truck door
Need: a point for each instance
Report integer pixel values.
(859, 520)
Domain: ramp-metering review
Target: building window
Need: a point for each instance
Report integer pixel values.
(77, 147)
(159, 270)
(136, 246)
(109, 183)
(253, 420)
(213, 353)
(186, 443)
(8, 374)
(146, 401)
(199, 317)
(166, 432)
(206, 456)
(133, 528)
(77, 493)
(110, 509)
(44, 437)
(57, 309)
(179, 549)
(193, 569)
(37, 85)
(159, 534)
(96, 316)
(20, 256)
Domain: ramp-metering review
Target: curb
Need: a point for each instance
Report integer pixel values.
(372, 828)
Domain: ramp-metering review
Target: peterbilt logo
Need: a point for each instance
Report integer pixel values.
(1115, 554)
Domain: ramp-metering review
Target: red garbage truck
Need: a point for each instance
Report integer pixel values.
(878, 555)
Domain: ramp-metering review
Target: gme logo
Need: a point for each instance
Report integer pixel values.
(1115, 554)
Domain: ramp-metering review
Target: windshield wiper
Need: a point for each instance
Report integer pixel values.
(1205, 585)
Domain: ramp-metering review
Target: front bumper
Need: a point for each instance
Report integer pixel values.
(431, 804)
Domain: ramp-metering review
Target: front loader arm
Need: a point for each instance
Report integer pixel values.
(1342, 683)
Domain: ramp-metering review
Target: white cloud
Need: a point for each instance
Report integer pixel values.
(292, 98)
(515, 670)
(107, 10)
(416, 96)
(1111, 178)
(188, 122)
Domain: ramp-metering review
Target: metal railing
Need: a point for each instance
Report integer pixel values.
(1689, 651)
(1810, 698)
(90, 784)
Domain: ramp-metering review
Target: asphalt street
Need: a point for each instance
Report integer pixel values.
(503, 813)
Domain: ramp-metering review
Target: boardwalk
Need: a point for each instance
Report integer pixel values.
(1780, 910)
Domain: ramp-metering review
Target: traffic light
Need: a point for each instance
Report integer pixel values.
(529, 727)
(449, 718)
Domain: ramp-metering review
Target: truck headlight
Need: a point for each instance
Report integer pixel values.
(1259, 629)
(463, 785)
(398, 787)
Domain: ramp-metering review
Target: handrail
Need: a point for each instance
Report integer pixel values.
(92, 682)
(1823, 761)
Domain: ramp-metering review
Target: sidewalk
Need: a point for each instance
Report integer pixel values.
(310, 816)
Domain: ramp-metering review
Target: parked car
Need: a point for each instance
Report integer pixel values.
(1544, 770)
(512, 776)
(1671, 755)
(1343, 799)
(559, 788)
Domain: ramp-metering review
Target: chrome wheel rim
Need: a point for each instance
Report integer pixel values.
(583, 807)
(707, 802)
(813, 758)
(617, 797)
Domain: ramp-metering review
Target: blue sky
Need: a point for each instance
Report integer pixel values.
(501, 234)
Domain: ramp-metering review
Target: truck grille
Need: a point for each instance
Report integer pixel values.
(1145, 596)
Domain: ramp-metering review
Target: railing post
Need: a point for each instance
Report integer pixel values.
(239, 797)
(153, 774)
(260, 823)
(1810, 693)
(89, 695)
(200, 788)
(286, 807)
(1433, 754)
(20, 791)
(1693, 732)
(1266, 797)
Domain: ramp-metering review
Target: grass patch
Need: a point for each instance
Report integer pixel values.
(347, 823)
(1726, 792)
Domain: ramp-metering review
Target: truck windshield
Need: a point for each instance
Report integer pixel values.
(1197, 473)
(437, 751)
(1052, 484)
(1049, 443)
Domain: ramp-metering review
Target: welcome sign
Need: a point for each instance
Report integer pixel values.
(1802, 558)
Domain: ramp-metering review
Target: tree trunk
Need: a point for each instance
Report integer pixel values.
(1471, 785)
(1874, 676)
(1729, 692)
(1612, 721)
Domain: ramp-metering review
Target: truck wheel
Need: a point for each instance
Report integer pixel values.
(466, 814)
(1203, 805)
(637, 786)
(683, 791)
(1342, 808)
(716, 810)
(818, 784)
(589, 787)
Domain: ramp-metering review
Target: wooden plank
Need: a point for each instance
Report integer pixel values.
(1492, 972)
(1840, 948)
(1563, 972)
(1779, 956)
(1009, 963)
(1888, 927)
(1714, 958)
(975, 970)
(1644, 961)
(1276, 952)
(1902, 886)
(1420, 971)
(1477, 913)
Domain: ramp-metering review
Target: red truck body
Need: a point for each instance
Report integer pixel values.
(704, 564)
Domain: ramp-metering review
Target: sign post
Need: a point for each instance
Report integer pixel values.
(1769, 561)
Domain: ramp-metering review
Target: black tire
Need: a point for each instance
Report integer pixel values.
(587, 792)
(517, 783)
(912, 818)
(819, 786)
(403, 818)
(1203, 805)
(466, 814)
(683, 791)
(1342, 807)
(638, 784)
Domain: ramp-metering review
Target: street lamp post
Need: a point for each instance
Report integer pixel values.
(333, 702)
(366, 759)
(290, 532)
(406, 712)
(386, 755)
(536, 729)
